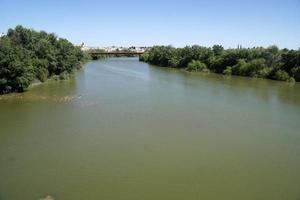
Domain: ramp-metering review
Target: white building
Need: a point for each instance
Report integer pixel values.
(115, 48)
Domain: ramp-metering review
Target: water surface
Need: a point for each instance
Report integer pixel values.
(124, 130)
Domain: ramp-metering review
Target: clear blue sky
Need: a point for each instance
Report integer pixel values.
(175, 22)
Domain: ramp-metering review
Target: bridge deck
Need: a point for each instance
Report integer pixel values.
(116, 53)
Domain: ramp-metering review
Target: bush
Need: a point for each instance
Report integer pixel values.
(173, 62)
(227, 71)
(291, 80)
(144, 57)
(281, 75)
(240, 68)
(255, 67)
(196, 65)
(295, 72)
(265, 72)
(64, 76)
(55, 77)
(42, 74)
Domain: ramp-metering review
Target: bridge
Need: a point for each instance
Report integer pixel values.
(115, 53)
(97, 54)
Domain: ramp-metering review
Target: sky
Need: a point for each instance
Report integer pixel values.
(160, 22)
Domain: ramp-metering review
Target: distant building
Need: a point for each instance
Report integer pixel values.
(116, 48)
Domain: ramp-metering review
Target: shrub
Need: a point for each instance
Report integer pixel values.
(228, 71)
(240, 68)
(64, 75)
(265, 72)
(291, 80)
(255, 67)
(42, 74)
(196, 65)
(281, 75)
(55, 77)
(295, 72)
(173, 62)
(144, 57)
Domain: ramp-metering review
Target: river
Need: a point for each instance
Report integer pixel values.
(125, 130)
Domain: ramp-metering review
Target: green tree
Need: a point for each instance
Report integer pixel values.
(218, 50)
(271, 62)
(26, 55)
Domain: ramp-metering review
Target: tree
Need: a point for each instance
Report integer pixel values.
(218, 50)
(26, 55)
(260, 62)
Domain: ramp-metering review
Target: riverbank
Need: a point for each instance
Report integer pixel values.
(268, 63)
(30, 95)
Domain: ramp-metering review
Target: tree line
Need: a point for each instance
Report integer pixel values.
(271, 63)
(99, 53)
(27, 55)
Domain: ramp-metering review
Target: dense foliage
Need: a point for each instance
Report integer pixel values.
(26, 55)
(270, 62)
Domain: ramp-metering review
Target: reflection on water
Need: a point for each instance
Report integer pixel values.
(126, 72)
(125, 130)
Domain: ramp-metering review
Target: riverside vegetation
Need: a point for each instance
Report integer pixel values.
(272, 62)
(27, 55)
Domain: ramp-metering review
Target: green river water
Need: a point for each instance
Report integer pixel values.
(125, 130)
